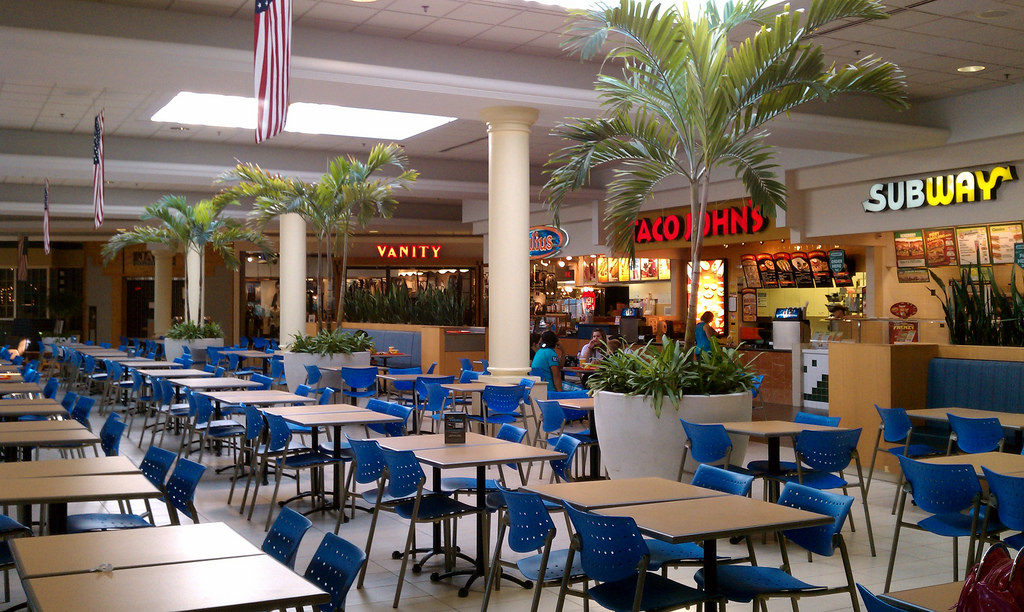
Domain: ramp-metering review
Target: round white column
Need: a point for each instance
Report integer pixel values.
(292, 294)
(508, 228)
(193, 282)
(163, 277)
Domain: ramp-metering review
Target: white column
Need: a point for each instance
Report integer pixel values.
(292, 300)
(193, 279)
(163, 278)
(508, 226)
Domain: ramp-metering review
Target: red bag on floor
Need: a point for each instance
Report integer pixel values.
(994, 585)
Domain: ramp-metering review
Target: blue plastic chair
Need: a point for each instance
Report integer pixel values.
(285, 535)
(975, 435)
(254, 426)
(405, 479)
(403, 388)
(745, 583)
(155, 466)
(284, 457)
(277, 372)
(368, 468)
(9, 529)
(561, 468)
(265, 382)
(468, 376)
(500, 405)
(220, 430)
(313, 376)
(828, 454)
(709, 443)
(718, 479)
(571, 414)
(359, 382)
(438, 401)
(613, 553)
(381, 406)
(110, 435)
(333, 568)
(1005, 493)
(181, 490)
(529, 528)
(82, 410)
(806, 418)
(945, 492)
(466, 364)
(895, 428)
(398, 428)
(873, 603)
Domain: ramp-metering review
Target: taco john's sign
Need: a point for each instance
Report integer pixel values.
(726, 221)
(967, 186)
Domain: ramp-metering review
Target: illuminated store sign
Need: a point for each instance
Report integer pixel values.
(968, 186)
(409, 251)
(546, 240)
(731, 221)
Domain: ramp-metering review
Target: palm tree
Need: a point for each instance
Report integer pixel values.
(192, 228)
(689, 101)
(343, 200)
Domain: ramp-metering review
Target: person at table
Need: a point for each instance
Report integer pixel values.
(595, 349)
(546, 363)
(705, 332)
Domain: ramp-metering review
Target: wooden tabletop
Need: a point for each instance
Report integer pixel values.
(590, 494)
(48, 425)
(135, 362)
(215, 383)
(331, 419)
(102, 352)
(473, 455)
(41, 407)
(246, 354)
(707, 518)
(29, 401)
(404, 377)
(473, 387)
(54, 437)
(937, 598)
(60, 489)
(68, 467)
(10, 377)
(180, 373)
(10, 368)
(579, 403)
(1003, 463)
(773, 429)
(82, 552)
(312, 409)
(255, 582)
(19, 387)
(257, 396)
(1012, 420)
(426, 441)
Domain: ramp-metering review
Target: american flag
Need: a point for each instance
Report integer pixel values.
(272, 59)
(46, 216)
(22, 258)
(97, 171)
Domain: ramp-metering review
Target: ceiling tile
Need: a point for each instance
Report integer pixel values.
(484, 13)
(407, 22)
(458, 30)
(434, 8)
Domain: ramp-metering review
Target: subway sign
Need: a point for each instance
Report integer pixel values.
(731, 221)
(546, 240)
(409, 251)
(942, 190)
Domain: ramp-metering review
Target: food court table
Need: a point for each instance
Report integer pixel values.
(1003, 463)
(592, 494)
(257, 397)
(709, 519)
(12, 409)
(178, 373)
(11, 388)
(153, 364)
(214, 384)
(68, 467)
(937, 598)
(22, 442)
(11, 377)
(409, 378)
(774, 431)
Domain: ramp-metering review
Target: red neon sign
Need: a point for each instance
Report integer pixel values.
(732, 221)
(409, 251)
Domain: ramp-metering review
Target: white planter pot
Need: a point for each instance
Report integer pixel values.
(635, 442)
(295, 371)
(173, 350)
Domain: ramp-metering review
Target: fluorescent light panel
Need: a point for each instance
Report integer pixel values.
(303, 117)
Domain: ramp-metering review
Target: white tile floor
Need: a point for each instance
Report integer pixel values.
(923, 559)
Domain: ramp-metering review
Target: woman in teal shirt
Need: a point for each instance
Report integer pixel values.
(546, 362)
(705, 332)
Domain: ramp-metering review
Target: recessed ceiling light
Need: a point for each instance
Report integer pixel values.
(972, 68)
(992, 14)
(303, 117)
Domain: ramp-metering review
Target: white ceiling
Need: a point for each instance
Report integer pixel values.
(63, 60)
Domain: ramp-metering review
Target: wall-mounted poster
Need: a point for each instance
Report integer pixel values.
(748, 298)
(940, 247)
(839, 265)
(588, 270)
(711, 284)
(802, 269)
(625, 273)
(613, 269)
(909, 249)
(602, 269)
(972, 246)
(664, 269)
(912, 275)
(750, 274)
(784, 270)
(819, 268)
(1002, 238)
(648, 269)
(766, 268)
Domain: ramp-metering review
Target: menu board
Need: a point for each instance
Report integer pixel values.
(748, 298)
(819, 269)
(840, 267)
(912, 275)
(711, 290)
(766, 268)
(602, 269)
(802, 269)
(1002, 238)
(620, 269)
(940, 247)
(784, 270)
(972, 244)
(625, 273)
(750, 274)
(909, 249)
(664, 269)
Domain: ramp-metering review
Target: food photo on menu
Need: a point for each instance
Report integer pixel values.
(909, 249)
(1002, 238)
(940, 247)
(750, 273)
(784, 270)
(801, 269)
(819, 268)
(766, 267)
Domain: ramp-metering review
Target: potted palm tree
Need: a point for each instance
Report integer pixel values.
(688, 101)
(192, 228)
(345, 199)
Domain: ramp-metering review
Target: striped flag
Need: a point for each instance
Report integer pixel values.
(97, 171)
(46, 216)
(22, 258)
(272, 59)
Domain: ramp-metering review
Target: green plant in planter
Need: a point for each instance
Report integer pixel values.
(978, 312)
(670, 372)
(327, 342)
(187, 330)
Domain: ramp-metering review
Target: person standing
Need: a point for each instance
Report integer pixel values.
(546, 362)
(705, 332)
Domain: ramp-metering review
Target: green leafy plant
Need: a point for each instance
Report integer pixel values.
(669, 372)
(685, 95)
(396, 304)
(187, 330)
(327, 343)
(978, 312)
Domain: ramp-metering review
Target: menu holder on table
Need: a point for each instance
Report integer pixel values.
(455, 426)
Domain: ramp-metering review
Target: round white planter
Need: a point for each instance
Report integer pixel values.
(635, 442)
(295, 371)
(173, 350)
